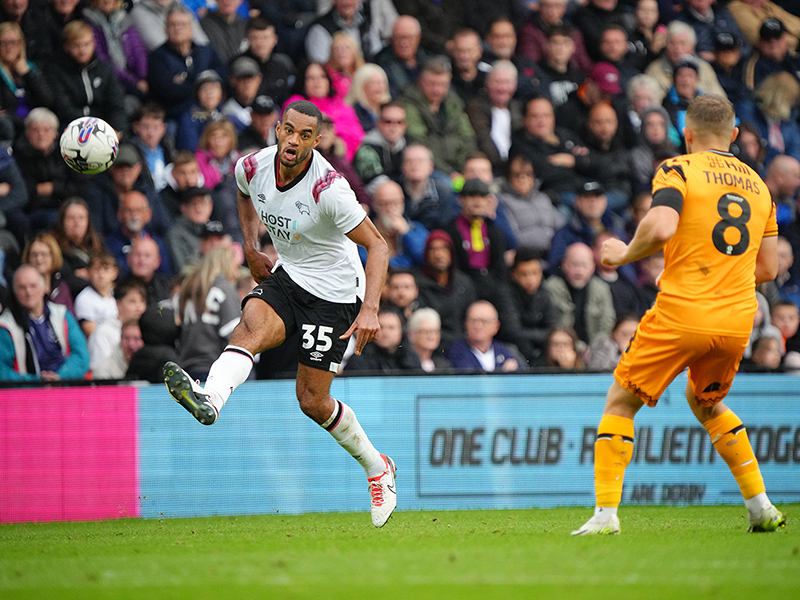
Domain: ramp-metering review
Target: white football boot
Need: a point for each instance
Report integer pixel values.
(768, 519)
(383, 497)
(599, 525)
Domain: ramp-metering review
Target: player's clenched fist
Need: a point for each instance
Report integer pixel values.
(613, 252)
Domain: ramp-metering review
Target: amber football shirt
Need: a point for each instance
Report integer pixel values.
(709, 274)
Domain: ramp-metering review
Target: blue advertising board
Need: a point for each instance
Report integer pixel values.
(471, 442)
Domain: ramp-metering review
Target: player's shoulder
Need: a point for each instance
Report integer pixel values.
(255, 163)
(678, 165)
(325, 180)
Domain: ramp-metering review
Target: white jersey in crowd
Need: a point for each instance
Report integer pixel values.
(307, 221)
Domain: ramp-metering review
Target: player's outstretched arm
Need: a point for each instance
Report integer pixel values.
(366, 323)
(260, 265)
(767, 260)
(655, 230)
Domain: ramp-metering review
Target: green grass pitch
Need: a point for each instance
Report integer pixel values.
(663, 552)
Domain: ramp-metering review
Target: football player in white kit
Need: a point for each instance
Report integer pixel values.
(317, 288)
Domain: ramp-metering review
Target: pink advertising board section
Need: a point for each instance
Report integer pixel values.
(68, 454)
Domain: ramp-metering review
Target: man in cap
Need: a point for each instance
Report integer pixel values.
(750, 15)
(727, 65)
(601, 86)
(590, 218)
(245, 79)
(125, 175)
(183, 238)
(261, 131)
(479, 243)
(709, 19)
(771, 55)
(685, 88)
(212, 236)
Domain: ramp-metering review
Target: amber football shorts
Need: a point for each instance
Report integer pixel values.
(656, 354)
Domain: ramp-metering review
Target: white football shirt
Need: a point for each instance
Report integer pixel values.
(307, 221)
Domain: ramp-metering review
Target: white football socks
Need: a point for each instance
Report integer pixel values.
(347, 431)
(605, 511)
(757, 503)
(227, 373)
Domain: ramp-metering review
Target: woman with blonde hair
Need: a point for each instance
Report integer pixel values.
(43, 254)
(23, 87)
(773, 112)
(345, 60)
(369, 91)
(216, 153)
(208, 308)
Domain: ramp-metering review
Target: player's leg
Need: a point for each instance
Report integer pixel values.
(651, 361)
(338, 419)
(260, 328)
(612, 453)
(709, 381)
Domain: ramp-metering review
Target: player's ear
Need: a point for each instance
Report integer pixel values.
(317, 140)
(688, 135)
(735, 134)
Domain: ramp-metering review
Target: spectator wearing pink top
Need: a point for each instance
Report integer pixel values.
(314, 84)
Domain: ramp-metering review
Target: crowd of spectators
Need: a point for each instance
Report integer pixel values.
(496, 145)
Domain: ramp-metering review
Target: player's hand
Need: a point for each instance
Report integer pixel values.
(50, 376)
(366, 327)
(613, 252)
(260, 265)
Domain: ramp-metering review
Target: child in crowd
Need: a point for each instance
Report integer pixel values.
(96, 303)
(150, 129)
(130, 302)
(786, 317)
(534, 312)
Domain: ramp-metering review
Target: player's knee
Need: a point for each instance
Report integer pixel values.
(310, 400)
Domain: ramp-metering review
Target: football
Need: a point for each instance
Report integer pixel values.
(89, 145)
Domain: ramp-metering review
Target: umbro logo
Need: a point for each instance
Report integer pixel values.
(262, 198)
(303, 208)
(258, 291)
(316, 355)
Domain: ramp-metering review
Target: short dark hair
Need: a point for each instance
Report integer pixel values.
(150, 109)
(126, 286)
(258, 24)
(102, 258)
(563, 30)
(304, 107)
(524, 255)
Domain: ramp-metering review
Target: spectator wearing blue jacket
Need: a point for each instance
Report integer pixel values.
(174, 66)
(591, 218)
(39, 339)
(478, 350)
(708, 22)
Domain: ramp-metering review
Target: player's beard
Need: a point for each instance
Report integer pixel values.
(299, 157)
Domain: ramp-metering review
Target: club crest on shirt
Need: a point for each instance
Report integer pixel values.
(303, 208)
